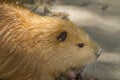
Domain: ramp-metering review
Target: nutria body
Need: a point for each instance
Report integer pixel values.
(33, 47)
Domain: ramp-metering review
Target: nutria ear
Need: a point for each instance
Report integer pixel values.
(62, 36)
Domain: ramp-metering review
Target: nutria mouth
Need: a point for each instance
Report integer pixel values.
(72, 74)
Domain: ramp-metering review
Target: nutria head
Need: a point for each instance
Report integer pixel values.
(33, 47)
(71, 48)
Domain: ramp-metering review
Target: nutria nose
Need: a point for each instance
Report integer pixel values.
(98, 53)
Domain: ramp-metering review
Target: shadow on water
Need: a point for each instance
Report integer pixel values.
(110, 42)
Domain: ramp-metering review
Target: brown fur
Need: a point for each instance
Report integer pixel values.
(29, 49)
(9, 1)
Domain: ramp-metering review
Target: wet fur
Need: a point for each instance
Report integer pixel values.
(29, 49)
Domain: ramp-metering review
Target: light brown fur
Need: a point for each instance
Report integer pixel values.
(29, 49)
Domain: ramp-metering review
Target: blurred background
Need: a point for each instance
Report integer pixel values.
(101, 19)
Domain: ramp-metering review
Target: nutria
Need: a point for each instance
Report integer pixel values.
(34, 47)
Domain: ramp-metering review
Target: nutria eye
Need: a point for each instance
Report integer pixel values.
(81, 45)
(62, 36)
